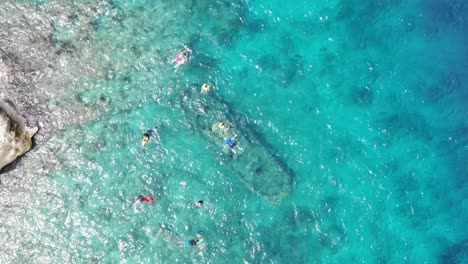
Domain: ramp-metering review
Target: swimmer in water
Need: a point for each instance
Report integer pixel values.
(181, 58)
(205, 88)
(198, 204)
(191, 242)
(146, 199)
(223, 126)
(147, 135)
(231, 143)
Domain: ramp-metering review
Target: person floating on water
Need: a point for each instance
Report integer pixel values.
(147, 135)
(192, 242)
(223, 126)
(181, 58)
(198, 204)
(231, 143)
(205, 88)
(146, 199)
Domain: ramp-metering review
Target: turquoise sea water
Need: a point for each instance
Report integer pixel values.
(365, 101)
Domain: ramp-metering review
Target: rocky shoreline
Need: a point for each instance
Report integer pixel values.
(38, 70)
(21, 101)
(15, 135)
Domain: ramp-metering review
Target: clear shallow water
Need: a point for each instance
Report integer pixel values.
(364, 101)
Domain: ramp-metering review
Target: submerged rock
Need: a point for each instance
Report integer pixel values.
(15, 136)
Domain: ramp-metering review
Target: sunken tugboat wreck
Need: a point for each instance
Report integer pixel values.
(227, 132)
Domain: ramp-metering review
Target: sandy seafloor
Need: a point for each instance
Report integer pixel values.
(365, 101)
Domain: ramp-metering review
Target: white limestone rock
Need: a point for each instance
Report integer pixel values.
(15, 136)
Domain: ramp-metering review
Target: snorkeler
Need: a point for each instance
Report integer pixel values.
(223, 126)
(231, 143)
(205, 88)
(147, 135)
(146, 199)
(191, 242)
(198, 204)
(181, 58)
